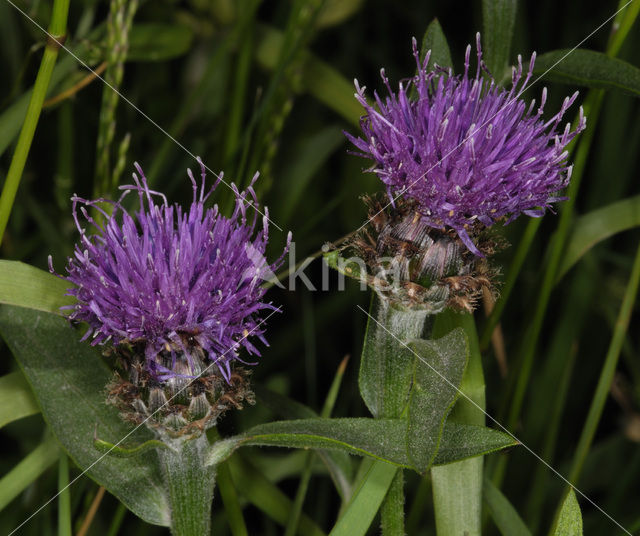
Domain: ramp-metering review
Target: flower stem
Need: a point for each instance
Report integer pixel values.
(384, 384)
(64, 499)
(190, 485)
(57, 29)
(457, 487)
(392, 511)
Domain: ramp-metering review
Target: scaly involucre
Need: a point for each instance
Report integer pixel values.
(463, 150)
(172, 280)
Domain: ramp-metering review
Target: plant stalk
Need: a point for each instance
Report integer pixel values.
(457, 487)
(189, 484)
(57, 31)
(405, 325)
(607, 373)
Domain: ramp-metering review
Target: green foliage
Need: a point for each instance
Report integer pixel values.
(436, 383)
(267, 86)
(569, 522)
(30, 468)
(381, 439)
(68, 379)
(598, 225)
(16, 398)
(435, 41)
(498, 22)
(502, 512)
(387, 362)
(589, 68)
(158, 42)
(27, 286)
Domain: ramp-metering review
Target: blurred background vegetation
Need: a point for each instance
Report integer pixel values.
(266, 86)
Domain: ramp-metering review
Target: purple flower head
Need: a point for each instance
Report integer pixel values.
(465, 151)
(178, 282)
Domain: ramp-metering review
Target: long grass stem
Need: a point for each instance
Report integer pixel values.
(58, 30)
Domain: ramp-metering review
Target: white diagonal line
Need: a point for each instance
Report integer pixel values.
(495, 421)
(81, 62)
(509, 102)
(143, 422)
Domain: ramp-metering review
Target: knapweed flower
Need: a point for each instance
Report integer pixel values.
(456, 153)
(178, 294)
(464, 151)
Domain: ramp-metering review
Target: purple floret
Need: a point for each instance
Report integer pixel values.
(172, 280)
(466, 151)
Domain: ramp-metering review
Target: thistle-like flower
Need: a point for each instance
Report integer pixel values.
(177, 294)
(459, 153)
(466, 151)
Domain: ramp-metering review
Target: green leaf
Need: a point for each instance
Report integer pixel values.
(502, 512)
(588, 68)
(359, 514)
(319, 79)
(386, 367)
(435, 41)
(381, 439)
(253, 485)
(154, 41)
(16, 398)
(126, 452)
(68, 379)
(498, 21)
(376, 438)
(337, 463)
(436, 382)
(569, 521)
(28, 286)
(590, 229)
(11, 119)
(464, 441)
(349, 267)
(30, 468)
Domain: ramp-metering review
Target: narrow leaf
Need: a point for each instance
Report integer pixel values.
(337, 463)
(28, 286)
(376, 438)
(386, 366)
(68, 379)
(502, 512)
(588, 68)
(153, 41)
(11, 119)
(569, 521)
(598, 225)
(463, 441)
(381, 439)
(435, 41)
(436, 382)
(366, 501)
(319, 79)
(16, 398)
(30, 468)
(498, 21)
(126, 452)
(253, 485)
